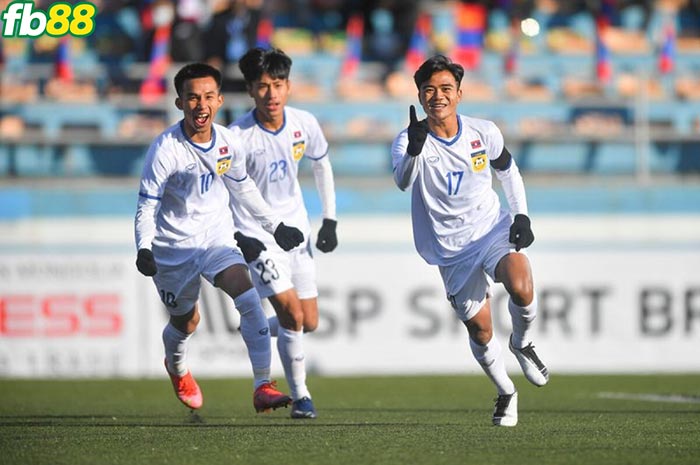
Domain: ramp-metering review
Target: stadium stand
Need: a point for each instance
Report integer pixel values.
(557, 114)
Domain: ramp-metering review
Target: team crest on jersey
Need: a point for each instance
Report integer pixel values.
(298, 149)
(223, 164)
(479, 160)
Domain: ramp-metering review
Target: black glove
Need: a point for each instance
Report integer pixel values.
(145, 262)
(327, 241)
(288, 237)
(250, 246)
(417, 132)
(520, 233)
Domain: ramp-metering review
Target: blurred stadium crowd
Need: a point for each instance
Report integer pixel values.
(546, 70)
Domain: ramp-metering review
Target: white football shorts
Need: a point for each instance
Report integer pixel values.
(178, 285)
(467, 282)
(276, 271)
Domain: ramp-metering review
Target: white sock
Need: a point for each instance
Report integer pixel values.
(291, 348)
(522, 318)
(489, 357)
(256, 334)
(175, 342)
(274, 325)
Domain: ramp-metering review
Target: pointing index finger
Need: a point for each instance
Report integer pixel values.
(412, 114)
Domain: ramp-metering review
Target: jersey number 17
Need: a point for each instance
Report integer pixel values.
(454, 180)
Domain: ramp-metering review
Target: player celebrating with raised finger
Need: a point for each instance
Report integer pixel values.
(459, 225)
(277, 137)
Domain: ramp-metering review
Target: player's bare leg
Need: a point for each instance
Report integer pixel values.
(310, 309)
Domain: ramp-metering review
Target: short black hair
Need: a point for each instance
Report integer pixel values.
(194, 71)
(436, 64)
(258, 61)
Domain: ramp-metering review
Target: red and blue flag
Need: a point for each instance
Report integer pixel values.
(264, 33)
(471, 24)
(353, 51)
(602, 52)
(667, 53)
(154, 86)
(62, 66)
(418, 46)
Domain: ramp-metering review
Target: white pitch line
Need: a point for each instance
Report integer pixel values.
(673, 398)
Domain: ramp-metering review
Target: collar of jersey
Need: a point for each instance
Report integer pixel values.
(455, 138)
(274, 133)
(194, 144)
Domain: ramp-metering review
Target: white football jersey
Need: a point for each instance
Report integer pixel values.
(272, 161)
(182, 195)
(453, 203)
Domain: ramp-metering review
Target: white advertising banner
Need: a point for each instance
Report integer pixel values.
(613, 304)
(70, 314)
(599, 311)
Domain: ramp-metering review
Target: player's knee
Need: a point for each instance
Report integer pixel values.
(291, 318)
(234, 280)
(481, 334)
(193, 323)
(522, 292)
(186, 323)
(310, 326)
(310, 309)
(482, 337)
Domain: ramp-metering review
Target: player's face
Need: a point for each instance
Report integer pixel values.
(199, 103)
(440, 96)
(270, 97)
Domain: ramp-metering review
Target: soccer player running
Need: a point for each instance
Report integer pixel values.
(276, 137)
(459, 225)
(184, 229)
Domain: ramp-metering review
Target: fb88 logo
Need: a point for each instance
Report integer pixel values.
(21, 19)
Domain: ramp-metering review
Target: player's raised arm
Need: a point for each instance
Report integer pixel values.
(417, 133)
(406, 148)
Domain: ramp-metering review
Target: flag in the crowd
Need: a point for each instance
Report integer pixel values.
(154, 86)
(608, 12)
(62, 65)
(264, 33)
(602, 52)
(353, 51)
(146, 15)
(667, 53)
(510, 62)
(471, 24)
(418, 46)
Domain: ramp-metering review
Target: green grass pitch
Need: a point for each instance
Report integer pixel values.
(618, 420)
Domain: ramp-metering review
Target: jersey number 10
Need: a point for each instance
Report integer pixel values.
(205, 181)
